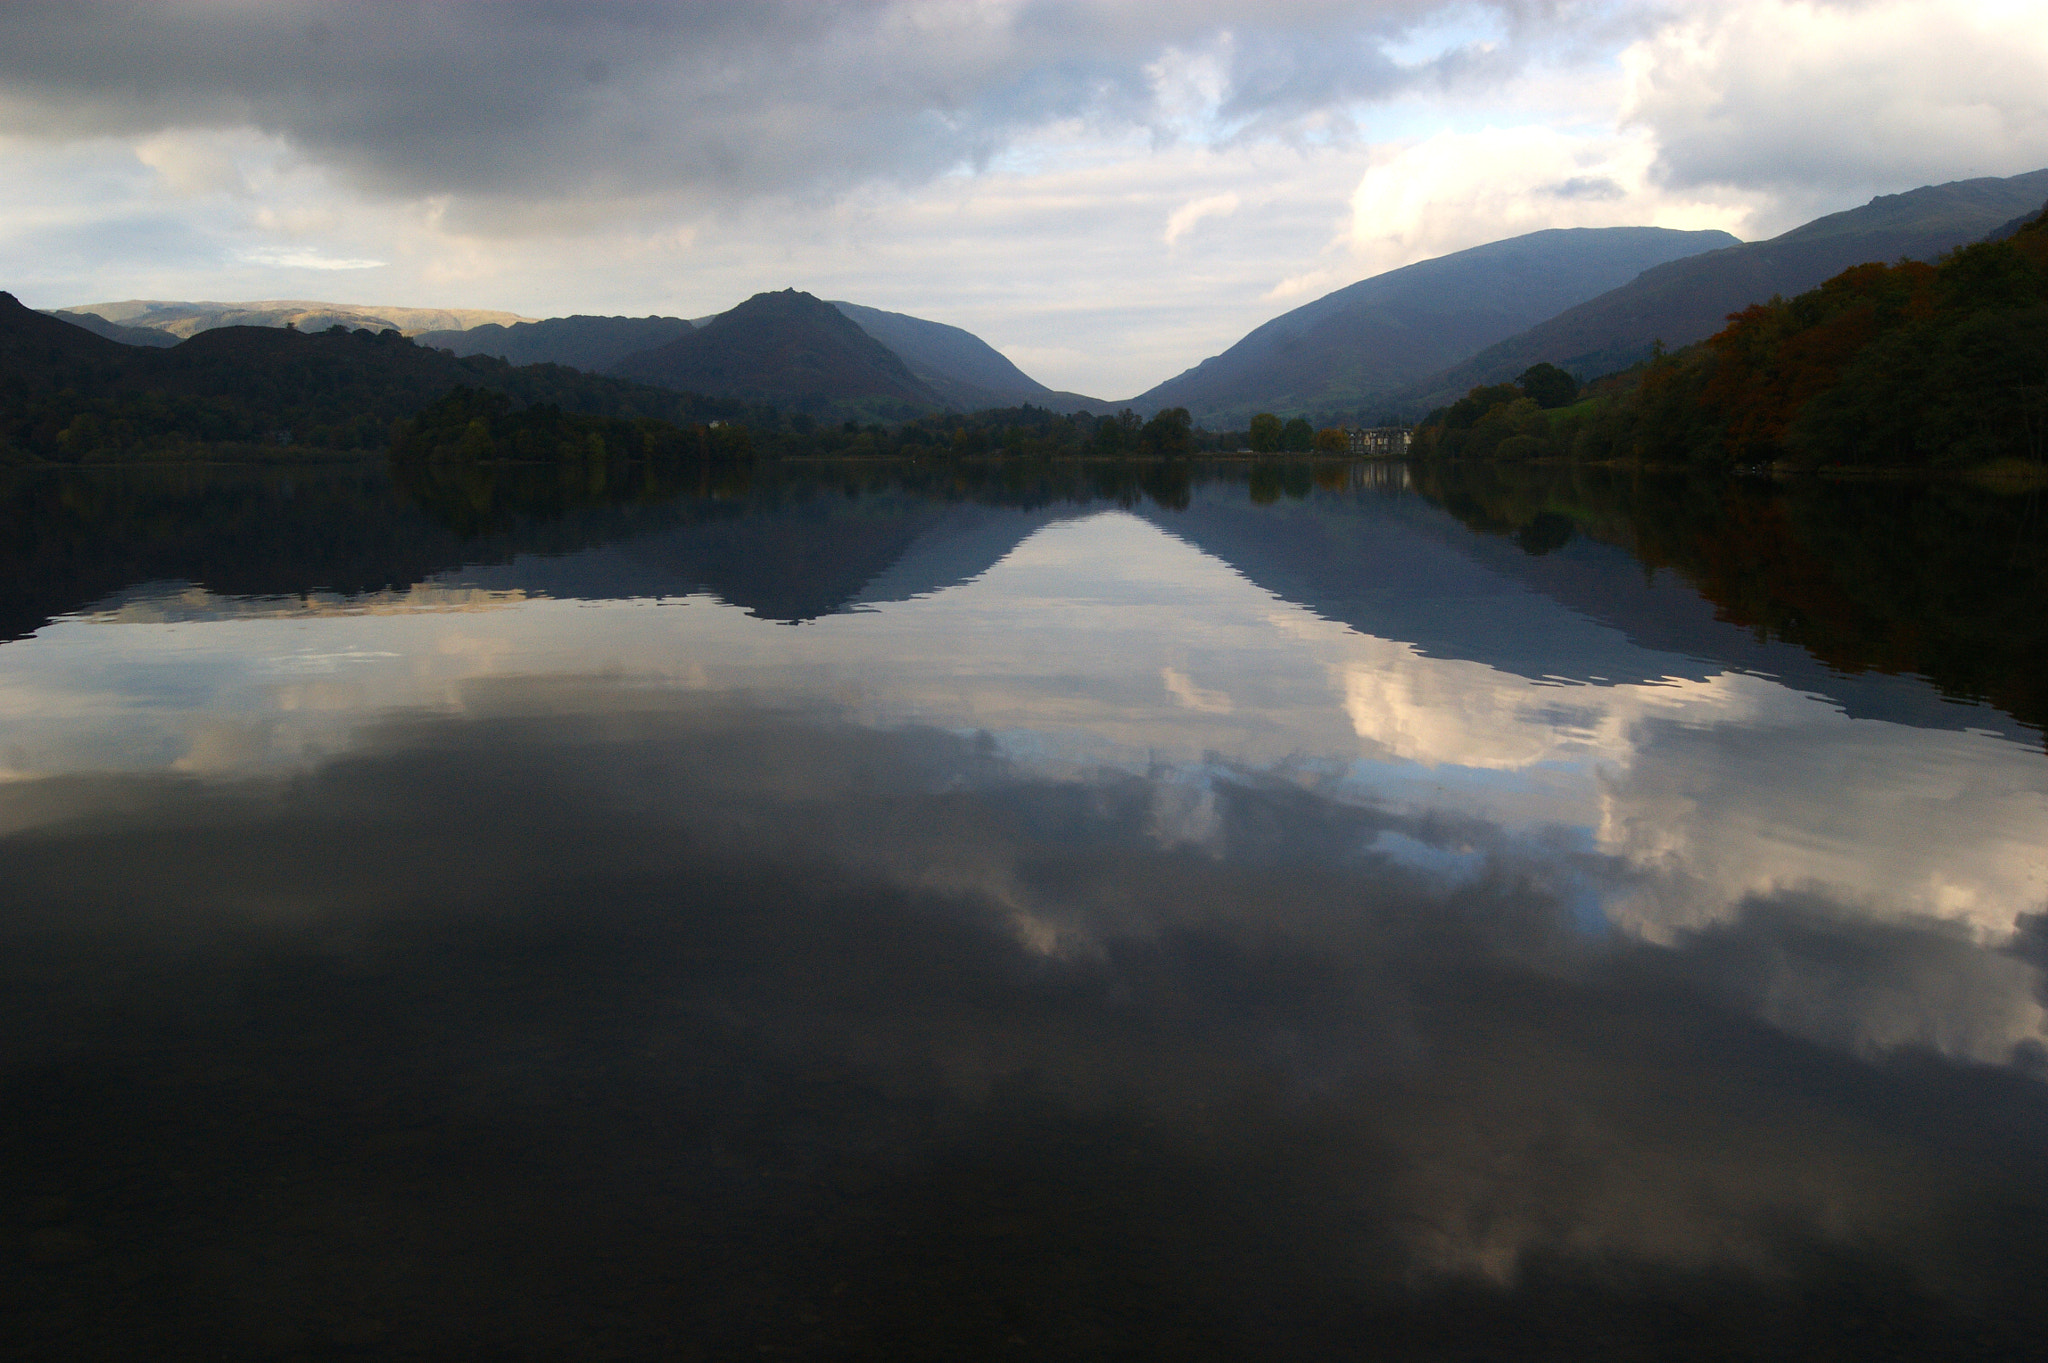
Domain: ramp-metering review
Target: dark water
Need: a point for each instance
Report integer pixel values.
(1081, 912)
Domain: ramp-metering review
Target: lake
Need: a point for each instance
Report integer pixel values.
(1037, 911)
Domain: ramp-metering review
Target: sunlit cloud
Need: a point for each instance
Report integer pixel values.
(309, 260)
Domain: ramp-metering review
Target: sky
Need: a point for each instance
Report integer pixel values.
(1107, 192)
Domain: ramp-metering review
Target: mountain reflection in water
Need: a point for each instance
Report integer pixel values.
(1122, 919)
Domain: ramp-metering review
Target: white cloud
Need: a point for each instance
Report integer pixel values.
(1456, 190)
(310, 260)
(1819, 101)
(1183, 219)
(189, 166)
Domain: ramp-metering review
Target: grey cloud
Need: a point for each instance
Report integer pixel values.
(1807, 966)
(617, 102)
(1587, 187)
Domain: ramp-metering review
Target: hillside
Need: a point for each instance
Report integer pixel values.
(1898, 366)
(114, 331)
(959, 366)
(790, 349)
(1351, 348)
(67, 394)
(184, 319)
(1688, 300)
(591, 343)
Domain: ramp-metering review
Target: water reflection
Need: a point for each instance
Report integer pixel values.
(1232, 925)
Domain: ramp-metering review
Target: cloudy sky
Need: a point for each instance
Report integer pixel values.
(1108, 192)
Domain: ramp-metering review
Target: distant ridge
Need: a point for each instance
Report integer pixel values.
(591, 343)
(1689, 300)
(183, 319)
(793, 350)
(114, 331)
(1353, 347)
(965, 370)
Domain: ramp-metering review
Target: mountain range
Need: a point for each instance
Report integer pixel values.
(1591, 300)
(1352, 348)
(964, 371)
(1689, 300)
(183, 320)
(789, 349)
(590, 343)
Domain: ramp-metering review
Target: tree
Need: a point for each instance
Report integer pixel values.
(1265, 433)
(1548, 386)
(1297, 436)
(1172, 432)
(1332, 440)
(1117, 434)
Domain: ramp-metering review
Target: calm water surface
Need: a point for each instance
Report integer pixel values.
(1335, 912)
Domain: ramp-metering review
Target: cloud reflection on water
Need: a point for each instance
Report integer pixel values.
(714, 962)
(1103, 644)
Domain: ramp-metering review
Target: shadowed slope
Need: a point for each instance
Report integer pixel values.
(1689, 300)
(791, 349)
(114, 331)
(1354, 346)
(967, 371)
(591, 343)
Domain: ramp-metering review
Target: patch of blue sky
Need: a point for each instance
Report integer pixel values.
(1570, 868)
(1059, 149)
(1448, 866)
(1450, 30)
(92, 175)
(60, 264)
(1583, 876)
(1383, 774)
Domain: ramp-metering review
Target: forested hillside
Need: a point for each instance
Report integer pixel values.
(67, 395)
(1899, 366)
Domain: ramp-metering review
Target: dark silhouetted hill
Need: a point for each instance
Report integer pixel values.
(959, 366)
(1688, 300)
(40, 353)
(1351, 348)
(792, 350)
(589, 343)
(67, 394)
